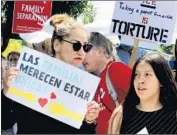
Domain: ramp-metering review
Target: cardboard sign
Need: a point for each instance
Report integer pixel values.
(53, 87)
(29, 16)
(145, 20)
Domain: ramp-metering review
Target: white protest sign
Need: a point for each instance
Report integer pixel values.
(148, 21)
(53, 87)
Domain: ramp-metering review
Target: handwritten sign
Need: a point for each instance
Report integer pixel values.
(145, 20)
(29, 16)
(53, 87)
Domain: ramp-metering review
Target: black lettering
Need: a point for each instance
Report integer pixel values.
(162, 35)
(81, 94)
(24, 56)
(41, 77)
(30, 71)
(57, 83)
(121, 3)
(143, 32)
(30, 59)
(127, 28)
(35, 74)
(51, 80)
(132, 29)
(156, 33)
(77, 89)
(138, 29)
(36, 61)
(115, 23)
(45, 79)
(149, 33)
(152, 31)
(87, 95)
(71, 89)
(124, 28)
(66, 87)
(23, 68)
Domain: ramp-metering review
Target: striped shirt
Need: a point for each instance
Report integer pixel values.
(156, 122)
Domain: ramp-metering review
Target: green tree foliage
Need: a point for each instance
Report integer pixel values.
(73, 8)
(89, 13)
(166, 49)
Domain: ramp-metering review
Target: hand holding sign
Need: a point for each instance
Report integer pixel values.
(9, 75)
(51, 87)
(93, 111)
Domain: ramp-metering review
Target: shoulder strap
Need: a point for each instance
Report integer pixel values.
(111, 88)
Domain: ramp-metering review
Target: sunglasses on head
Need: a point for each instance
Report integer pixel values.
(77, 46)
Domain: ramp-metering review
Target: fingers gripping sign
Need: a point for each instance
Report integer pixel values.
(93, 109)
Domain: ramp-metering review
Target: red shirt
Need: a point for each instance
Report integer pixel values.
(120, 75)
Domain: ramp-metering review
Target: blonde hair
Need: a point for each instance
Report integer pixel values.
(44, 46)
(63, 25)
(115, 121)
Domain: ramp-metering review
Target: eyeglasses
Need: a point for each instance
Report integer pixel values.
(77, 46)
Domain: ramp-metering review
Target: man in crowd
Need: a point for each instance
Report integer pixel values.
(115, 77)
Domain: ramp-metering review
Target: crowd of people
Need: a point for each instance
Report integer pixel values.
(127, 100)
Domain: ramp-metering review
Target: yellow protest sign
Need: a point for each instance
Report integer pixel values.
(13, 45)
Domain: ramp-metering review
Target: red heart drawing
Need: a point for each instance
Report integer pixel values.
(53, 96)
(42, 101)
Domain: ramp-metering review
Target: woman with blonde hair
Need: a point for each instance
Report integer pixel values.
(150, 106)
(69, 44)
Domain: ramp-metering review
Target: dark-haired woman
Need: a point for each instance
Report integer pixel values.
(151, 103)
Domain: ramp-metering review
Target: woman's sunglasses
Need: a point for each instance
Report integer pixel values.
(77, 46)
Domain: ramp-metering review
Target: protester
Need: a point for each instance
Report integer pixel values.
(13, 58)
(69, 44)
(3, 70)
(150, 105)
(11, 61)
(99, 61)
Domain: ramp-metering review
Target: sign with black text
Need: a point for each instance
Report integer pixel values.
(152, 21)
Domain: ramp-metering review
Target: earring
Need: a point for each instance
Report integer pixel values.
(161, 85)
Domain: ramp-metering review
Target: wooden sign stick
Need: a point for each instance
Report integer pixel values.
(134, 53)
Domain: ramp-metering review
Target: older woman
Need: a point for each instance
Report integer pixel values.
(69, 44)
